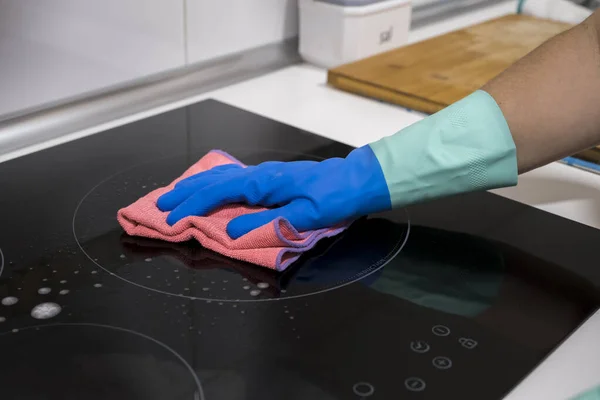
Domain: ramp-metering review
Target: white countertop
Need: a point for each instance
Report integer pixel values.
(298, 96)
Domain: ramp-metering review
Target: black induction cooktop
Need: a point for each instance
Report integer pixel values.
(456, 298)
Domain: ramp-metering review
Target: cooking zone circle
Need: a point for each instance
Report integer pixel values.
(188, 270)
(1, 262)
(92, 361)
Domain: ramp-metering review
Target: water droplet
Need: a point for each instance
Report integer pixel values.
(44, 290)
(75, 272)
(283, 291)
(148, 259)
(94, 272)
(205, 289)
(122, 256)
(64, 291)
(45, 280)
(63, 282)
(262, 285)
(291, 317)
(45, 311)
(254, 293)
(2, 319)
(9, 301)
(234, 306)
(220, 303)
(208, 301)
(245, 279)
(97, 285)
(225, 281)
(53, 271)
(286, 311)
(15, 331)
(246, 287)
(187, 288)
(149, 276)
(242, 312)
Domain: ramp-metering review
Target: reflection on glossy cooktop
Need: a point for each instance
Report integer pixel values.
(457, 298)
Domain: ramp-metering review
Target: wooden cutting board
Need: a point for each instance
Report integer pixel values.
(430, 75)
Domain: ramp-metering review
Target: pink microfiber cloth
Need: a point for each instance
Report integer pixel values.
(275, 245)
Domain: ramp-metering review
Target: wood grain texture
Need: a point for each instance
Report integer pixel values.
(430, 75)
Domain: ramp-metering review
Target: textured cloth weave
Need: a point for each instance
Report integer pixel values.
(275, 245)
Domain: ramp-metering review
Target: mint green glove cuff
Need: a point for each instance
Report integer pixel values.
(463, 148)
(592, 394)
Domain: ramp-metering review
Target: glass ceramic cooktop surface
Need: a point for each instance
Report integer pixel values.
(456, 298)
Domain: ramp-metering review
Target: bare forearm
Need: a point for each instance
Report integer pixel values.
(551, 97)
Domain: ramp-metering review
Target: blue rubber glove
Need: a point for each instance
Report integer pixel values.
(463, 148)
(309, 194)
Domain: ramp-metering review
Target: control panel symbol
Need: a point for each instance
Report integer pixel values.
(440, 330)
(414, 384)
(442, 362)
(363, 389)
(419, 346)
(467, 343)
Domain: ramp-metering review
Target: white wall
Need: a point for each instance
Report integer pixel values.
(219, 27)
(51, 50)
(56, 49)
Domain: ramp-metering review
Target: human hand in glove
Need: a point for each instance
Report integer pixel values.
(308, 194)
(465, 147)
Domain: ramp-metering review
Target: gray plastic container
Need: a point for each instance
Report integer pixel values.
(352, 3)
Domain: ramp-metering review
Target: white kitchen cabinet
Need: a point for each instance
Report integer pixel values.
(52, 50)
(220, 27)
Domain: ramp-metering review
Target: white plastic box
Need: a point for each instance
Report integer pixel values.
(335, 32)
